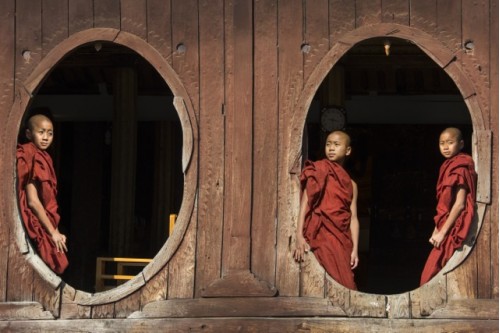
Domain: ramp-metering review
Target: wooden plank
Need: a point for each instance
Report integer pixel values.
(238, 131)
(468, 308)
(107, 14)
(493, 101)
(46, 295)
(423, 15)
(395, 11)
(305, 324)
(342, 18)
(159, 27)
(156, 288)
(366, 305)
(54, 23)
(103, 311)
(398, 306)
(20, 281)
(128, 305)
(182, 266)
(312, 277)
(289, 87)
(316, 34)
(133, 17)
(81, 15)
(240, 307)
(211, 177)
(368, 12)
(449, 23)
(7, 56)
(185, 43)
(28, 37)
(265, 141)
(23, 311)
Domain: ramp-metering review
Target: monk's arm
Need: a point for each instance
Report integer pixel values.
(456, 210)
(37, 208)
(301, 245)
(354, 226)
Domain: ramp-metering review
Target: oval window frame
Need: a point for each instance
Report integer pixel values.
(364, 304)
(185, 111)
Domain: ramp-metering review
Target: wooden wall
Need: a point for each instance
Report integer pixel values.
(245, 72)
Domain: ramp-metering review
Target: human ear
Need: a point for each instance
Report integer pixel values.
(28, 134)
(348, 151)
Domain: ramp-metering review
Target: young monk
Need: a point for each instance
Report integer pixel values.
(456, 193)
(37, 189)
(328, 224)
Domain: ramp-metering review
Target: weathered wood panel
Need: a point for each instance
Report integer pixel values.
(134, 18)
(423, 15)
(290, 73)
(211, 177)
(55, 25)
(316, 34)
(368, 12)
(107, 14)
(265, 140)
(282, 325)
(7, 56)
(493, 100)
(238, 130)
(395, 11)
(81, 15)
(28, 37)
(159, 27)
(342, 18)
(186, 49)
(449, 23)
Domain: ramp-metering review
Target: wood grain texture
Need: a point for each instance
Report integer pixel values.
(312, 277)
(290, 73)
(449, 19)
(423, 15)
(128, 305)
(54, 23)
(160, 27)
(107, 14)
(156, 288)
(7, 58)
(493, 101)
(342, 18)
(23, 311)
(211, 142)
(316, 34)
(134, 17)
(81, 15)
(265, 141)
(273, 325)
(28, 37)
(368, 12)
(395, 11)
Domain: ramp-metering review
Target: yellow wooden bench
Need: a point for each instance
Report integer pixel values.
(121, 263)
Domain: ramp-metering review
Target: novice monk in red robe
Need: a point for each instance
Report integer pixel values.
(37, 189)
(328, 224)
(456, 194)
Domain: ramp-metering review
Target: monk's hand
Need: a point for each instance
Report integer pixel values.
(60, 241)
(354, 259)
(301, 247)
(437, 239)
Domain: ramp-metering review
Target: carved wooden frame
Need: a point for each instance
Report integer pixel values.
(182, 103)
(423, 301)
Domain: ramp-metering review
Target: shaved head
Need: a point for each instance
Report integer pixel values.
(455, 132)
(344, 135)
(36, 119)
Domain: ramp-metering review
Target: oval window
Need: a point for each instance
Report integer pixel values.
(394, 102)
(117, 153)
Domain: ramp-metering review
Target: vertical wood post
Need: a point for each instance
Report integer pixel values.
(123, 164)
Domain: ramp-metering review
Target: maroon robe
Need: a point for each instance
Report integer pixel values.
(327, 222)
(455, 172)
(35, 165)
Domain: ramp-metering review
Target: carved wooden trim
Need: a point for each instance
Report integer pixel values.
(23, 311)
(190, 131)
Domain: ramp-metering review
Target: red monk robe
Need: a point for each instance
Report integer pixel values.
(455, 171)
(35, 165)
(327, 222)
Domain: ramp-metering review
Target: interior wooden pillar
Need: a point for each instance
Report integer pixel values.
(162, 187)
(123, 164)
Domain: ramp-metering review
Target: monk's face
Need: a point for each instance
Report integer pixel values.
(449, 144)
(337, 147)
(41, 133)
